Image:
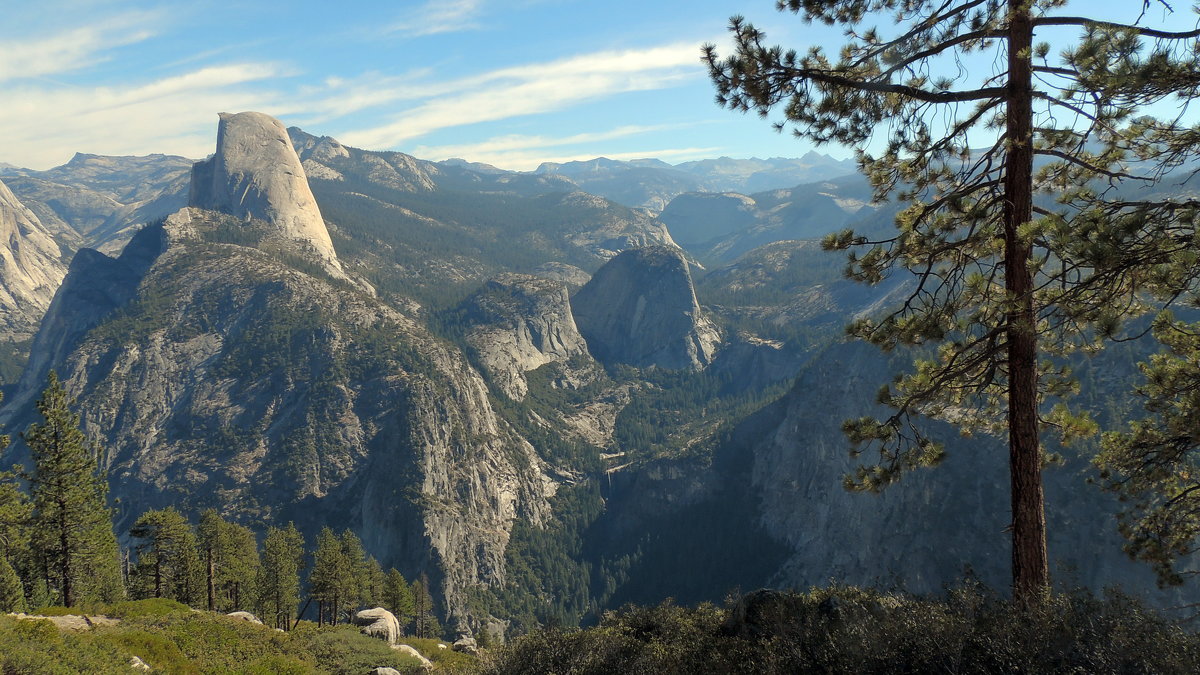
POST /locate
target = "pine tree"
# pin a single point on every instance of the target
(1155, 464)
(168, 560)
(326, 580)
(397, 597)
(12, 592)
(229, 556)
(1001, 288)
(15, 512)
(72, 535)
(355, 584)
(425, 623)
(279, 575)
(373, 581)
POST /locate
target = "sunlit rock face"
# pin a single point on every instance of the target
(256, 174)
(640, 309)
(31, 268)
(518, 323)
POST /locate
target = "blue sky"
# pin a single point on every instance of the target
(508, 82)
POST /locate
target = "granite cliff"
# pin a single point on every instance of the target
(256, 174)
(518, 323)
(31, 268)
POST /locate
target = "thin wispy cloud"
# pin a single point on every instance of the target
(524, 142)
(73, 48)
(439, 16)
(176, 114)
(536, 88)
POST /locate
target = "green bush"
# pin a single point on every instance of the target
(343, 650)
(851, 630)
(132, 609)
(156, 650)
(37, 646)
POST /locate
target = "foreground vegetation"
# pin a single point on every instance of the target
(170, 637)
(852, 630)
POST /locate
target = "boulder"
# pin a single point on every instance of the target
(411, 651)
(138, 664)
(385, 671)
(466, 645)
(245, 616)
(379, 623)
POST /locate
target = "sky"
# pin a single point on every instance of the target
(507, 82)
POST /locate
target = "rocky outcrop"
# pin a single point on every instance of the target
(217, 374)
(412, 651)
(378, 623)
(256, 174)
(640, 309)
(518, 323)
(31, 268)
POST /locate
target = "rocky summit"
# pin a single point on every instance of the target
(640, 309)
(256, 173)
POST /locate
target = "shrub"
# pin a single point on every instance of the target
(852, 630)
(150, 607)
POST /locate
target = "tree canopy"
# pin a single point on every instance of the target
(1025, 223)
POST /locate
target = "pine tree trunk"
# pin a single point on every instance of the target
(64, 551)
(212, 591)
(1029, 558)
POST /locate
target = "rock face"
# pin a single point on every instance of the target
(255, 173)
(640, 309)
(378, 623)
(31, 268)
(798, 463)
(519, 323)
(217, 374)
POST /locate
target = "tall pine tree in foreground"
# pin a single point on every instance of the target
(279, 575)
(168, 559)
(948, 106)
(72, 535)
(229, 555)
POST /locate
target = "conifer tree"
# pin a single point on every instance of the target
(425, 623)
(1001, 288)
(72, 535)
(279, 575)
(1155, 464)
(327, 578)
(168, 564)
(12, 592)
(397, 597)
(372, 585)
(229, 555)
(15, 512)
(355, 586)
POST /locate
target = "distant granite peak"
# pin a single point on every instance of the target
(256, 173)
(640, 309)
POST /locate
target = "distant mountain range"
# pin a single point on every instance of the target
(652, 183)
